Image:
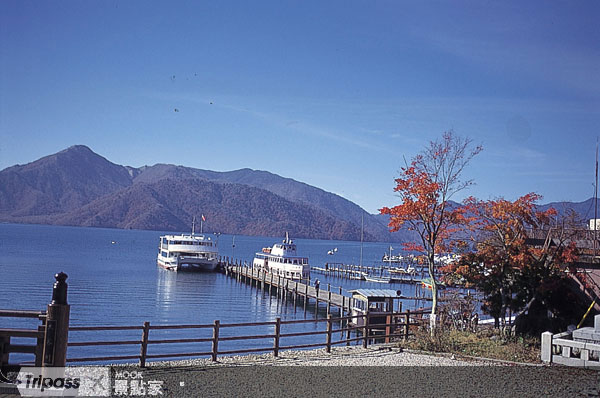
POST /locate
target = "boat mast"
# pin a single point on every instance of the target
(362, 227)
(596, 206)
(193, 225)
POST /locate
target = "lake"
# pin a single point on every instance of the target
(114, 280)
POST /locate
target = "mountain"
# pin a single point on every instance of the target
(235, 208)
(583, 210)
(79, 187)
(58, 183)
(287, 188)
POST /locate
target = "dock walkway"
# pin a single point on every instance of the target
(288, 287)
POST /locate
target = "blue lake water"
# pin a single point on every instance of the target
(120, 284)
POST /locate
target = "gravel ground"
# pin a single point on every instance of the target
(340, 356)
(378, 371)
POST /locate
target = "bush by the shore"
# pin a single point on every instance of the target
(485, 343)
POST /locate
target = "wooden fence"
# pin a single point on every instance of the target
(50, 348)
(398, 326)
(7, 347)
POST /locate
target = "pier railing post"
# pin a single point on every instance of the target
(329, 328)
(305, 296)
(57, 324)
(215, 340)
(366, 330)
(276, 338)
(406, 324)
(144, 348)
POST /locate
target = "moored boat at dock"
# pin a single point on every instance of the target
(282, 260)
(187, 252)
(378, 279)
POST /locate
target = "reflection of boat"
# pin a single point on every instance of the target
(189, 252)
(281, 259)
(377, 279)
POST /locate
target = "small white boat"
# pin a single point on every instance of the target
(282, 260)
(403, 271)
(377, 279)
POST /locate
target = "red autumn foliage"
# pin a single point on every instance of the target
(508, 269)
(425, 188)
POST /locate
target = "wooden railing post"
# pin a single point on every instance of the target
(39, 346)
(215, 340)
(4, 355)
(144, 348)
(57, 324)
(276, 338)
(329, 328)
(366, 330)
(406, 324)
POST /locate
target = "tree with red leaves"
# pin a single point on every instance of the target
(425, 187)
(507, 265)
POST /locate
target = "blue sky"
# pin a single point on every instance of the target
(332, 93)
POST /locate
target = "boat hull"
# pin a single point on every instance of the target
(192, 265)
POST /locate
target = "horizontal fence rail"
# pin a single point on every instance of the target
(7, 346)
(398, 326)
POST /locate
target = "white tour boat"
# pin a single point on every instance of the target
(187, 252)
(282, 260)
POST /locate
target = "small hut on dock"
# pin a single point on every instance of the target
(377, 303)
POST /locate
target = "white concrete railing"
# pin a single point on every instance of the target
(560, 348)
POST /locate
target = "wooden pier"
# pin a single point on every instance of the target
(293, 289)
(343, 270)
(303, 290)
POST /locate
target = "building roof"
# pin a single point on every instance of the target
(369, 293)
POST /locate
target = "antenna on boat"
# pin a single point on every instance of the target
(362, 227)
(287, 238)
(596, 206)
(193, 225)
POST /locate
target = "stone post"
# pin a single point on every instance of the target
(546, 349)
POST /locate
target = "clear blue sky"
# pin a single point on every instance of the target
(331, 93)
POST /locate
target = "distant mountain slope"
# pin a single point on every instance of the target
(59, 183)
(78, 187)
(231, 208)
(287, 188)
(584, 210)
